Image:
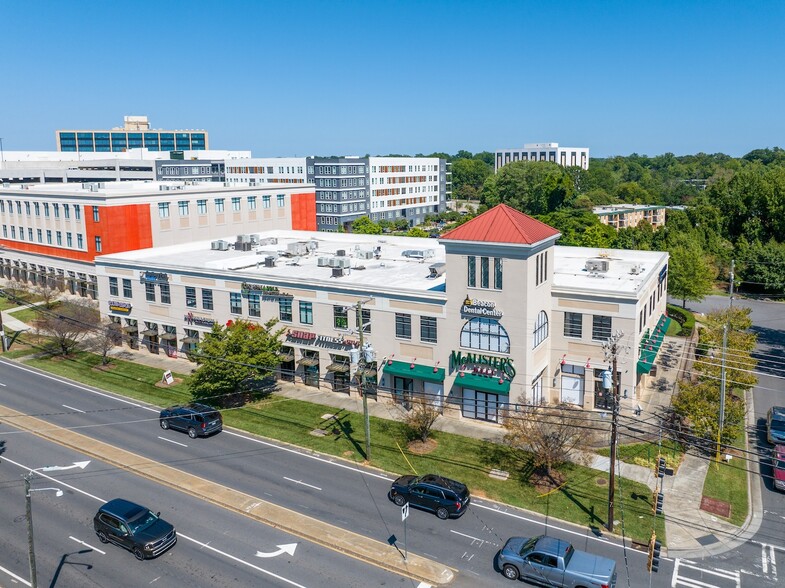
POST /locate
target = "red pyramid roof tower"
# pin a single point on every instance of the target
(502, 224)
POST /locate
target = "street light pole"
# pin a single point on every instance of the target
(29, 517)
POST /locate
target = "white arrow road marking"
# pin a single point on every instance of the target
(303, 483)
(87, 545)
(72, 408)
(77, 464)
(170, 441)
(286, 548)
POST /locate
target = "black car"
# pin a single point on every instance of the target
(134, 527)
(198, 420)
(440, 495)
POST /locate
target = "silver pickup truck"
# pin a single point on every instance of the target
(552, 562)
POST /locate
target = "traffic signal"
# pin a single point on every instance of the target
(654, 553)
(661, 467)
(658, 507)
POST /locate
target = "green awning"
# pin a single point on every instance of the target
(484, 383)
(413, 370)
(650, 345)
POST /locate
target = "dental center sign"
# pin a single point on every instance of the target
(475, 307)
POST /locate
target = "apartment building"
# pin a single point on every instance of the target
(491, 314)
(564, 156)
(620, 216)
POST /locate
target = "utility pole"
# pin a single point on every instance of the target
(732, 267)
(722, 391)
(29, 517)
(611, 348)
(361, 367)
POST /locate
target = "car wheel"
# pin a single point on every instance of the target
(138, 554)
(192, 433)
(442, 513)
(102, 537)
(399, 500)
(164, 424)
(510, 572)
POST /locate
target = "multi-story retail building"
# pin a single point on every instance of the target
(493, 313)
(564, 156)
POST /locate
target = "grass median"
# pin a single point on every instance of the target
(582, 499)
(728, 482)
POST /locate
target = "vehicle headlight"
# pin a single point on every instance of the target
(148, 545)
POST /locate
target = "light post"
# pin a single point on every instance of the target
(29, 516)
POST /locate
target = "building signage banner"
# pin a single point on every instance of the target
(195, 319)
(459, 360)
(475, 307)
(153, 277)
(246, 288)
(119, 307)
(304, 335)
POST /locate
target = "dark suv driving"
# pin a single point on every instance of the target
(440, 495)
(198, 420)
(134, 527)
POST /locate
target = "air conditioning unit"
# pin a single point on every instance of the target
(221, 245)
(313, 245)
(243, 246)
(636, 269)
(365, 255)
(243, 238)
(334, 262)
(323, 262)
(269, 261)
(341, 253)
(268, 241)
(297, 248)
(255, 238)
(597, 265)
(344, 262)
(337, 272)
(437, 269)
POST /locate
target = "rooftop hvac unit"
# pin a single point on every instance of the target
(344, 262)
(323, 262)
(636, 269)
(243, 238)
(437, 269)
(269, 261)
(365, 255)
(220, 245)
(597, 264)
(268, 241)
(243, 246)
(313, 245)
(334, 262)
(297, 248)
(255, 238)
(337, 272)
(341, 253)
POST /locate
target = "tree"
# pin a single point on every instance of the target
(533, 187)
(416, 232)
(698, 406)
(547, 433)
(232, 359)
(421, 417)
(47, 293)
(690, 275)
(109, 336)
(468, 176)
(365, 226)
(70, 324)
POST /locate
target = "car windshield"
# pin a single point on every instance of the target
(141, 521)
(778, 425)
(529, 545)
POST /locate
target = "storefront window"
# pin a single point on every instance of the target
(481, 405)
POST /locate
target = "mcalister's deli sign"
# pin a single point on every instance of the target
(503, 364)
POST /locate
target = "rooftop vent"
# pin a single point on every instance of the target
(338, 272)
(323, 262)
(341, 253)
(297, 248)
(220, 245)
(437, 269)
(597, 264)
(419, 253)
(269, 261)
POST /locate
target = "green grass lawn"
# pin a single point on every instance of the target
(21, 300)
(582, 499)
(728, 482)
(30, 314)
(646, 454)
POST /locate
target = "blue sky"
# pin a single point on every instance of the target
(346, 77)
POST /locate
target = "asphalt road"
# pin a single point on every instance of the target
(331, 490)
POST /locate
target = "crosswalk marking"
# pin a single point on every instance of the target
(724, 578)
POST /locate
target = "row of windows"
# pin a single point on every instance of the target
(402, 168)
(260, 169)
(183, 206)
(351, 207)
(485, 272)
(541, 269)
(601, 328)
(344, 182)
(333, 169)
(39, 236)
(35, 208)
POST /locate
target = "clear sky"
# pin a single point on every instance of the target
(354, 77)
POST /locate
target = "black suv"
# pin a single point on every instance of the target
(441, 495)
(198, 420)
(134, 527)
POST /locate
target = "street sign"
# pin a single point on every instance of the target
(404, 511)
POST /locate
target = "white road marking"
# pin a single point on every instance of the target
(423, 585)
(465, 535)
(3, 385)
(679, 580)
(170, 441)
(15, 577)
(72, 408)
(303, 483)
(86, 545)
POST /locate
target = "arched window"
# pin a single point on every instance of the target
(540, 328)
(485, 334)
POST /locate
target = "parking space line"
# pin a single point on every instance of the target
(170, 441)
(86, 545)
(72, 408)
(15, 577)
(302, 483)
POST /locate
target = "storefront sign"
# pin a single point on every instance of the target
(119, 307)
(195, 319)
(154, 277)
(460, 360)
(303, 335)
(324, 340)
(475, 307)
(246, 288)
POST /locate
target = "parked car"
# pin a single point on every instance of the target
(437, 494)
(134, 527)
(198, 420)
(778, 466)
(775, 425)
(554, 562)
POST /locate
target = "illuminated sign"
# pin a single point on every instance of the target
(195, 319)
(475, 307)
(481, 364)
(119, 307)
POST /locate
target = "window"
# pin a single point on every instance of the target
(484, 272)
(59, 235)
(219, 204)
(252, 203)
(96, 215)
(27, 208)
(77, 211)
(485, 334)
(601, 328)
(69, 240)
(98, 244)
(190, 297)
(541, 268)
(127, 293)
(236, 204)
(497, 273)
(428, 329)
(306, 313)
(472, 270)
(537, 397)
(46, 208)
(182, 206)
(541, 328)
(281, 201)
(573, 324)
(40, 235)
(364, 323)
(113, 289)
(66, 210)
(166, 294)
(265, 202)
(30, 236)
(201, 206)
(403, 325)
(235, 303)
(79, 240)
(149, 292)
(340, 317)
(285, 309)
(36, 206)
(48, 236)
(254, 304)
(55, 208)
(163, 210)
(207, 299)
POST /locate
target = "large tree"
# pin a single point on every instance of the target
(690, 274)
(231, 358)
(70, 324)
(534, 187)
(365, 226)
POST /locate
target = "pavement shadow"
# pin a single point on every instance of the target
(64, 561)
(764, 451)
